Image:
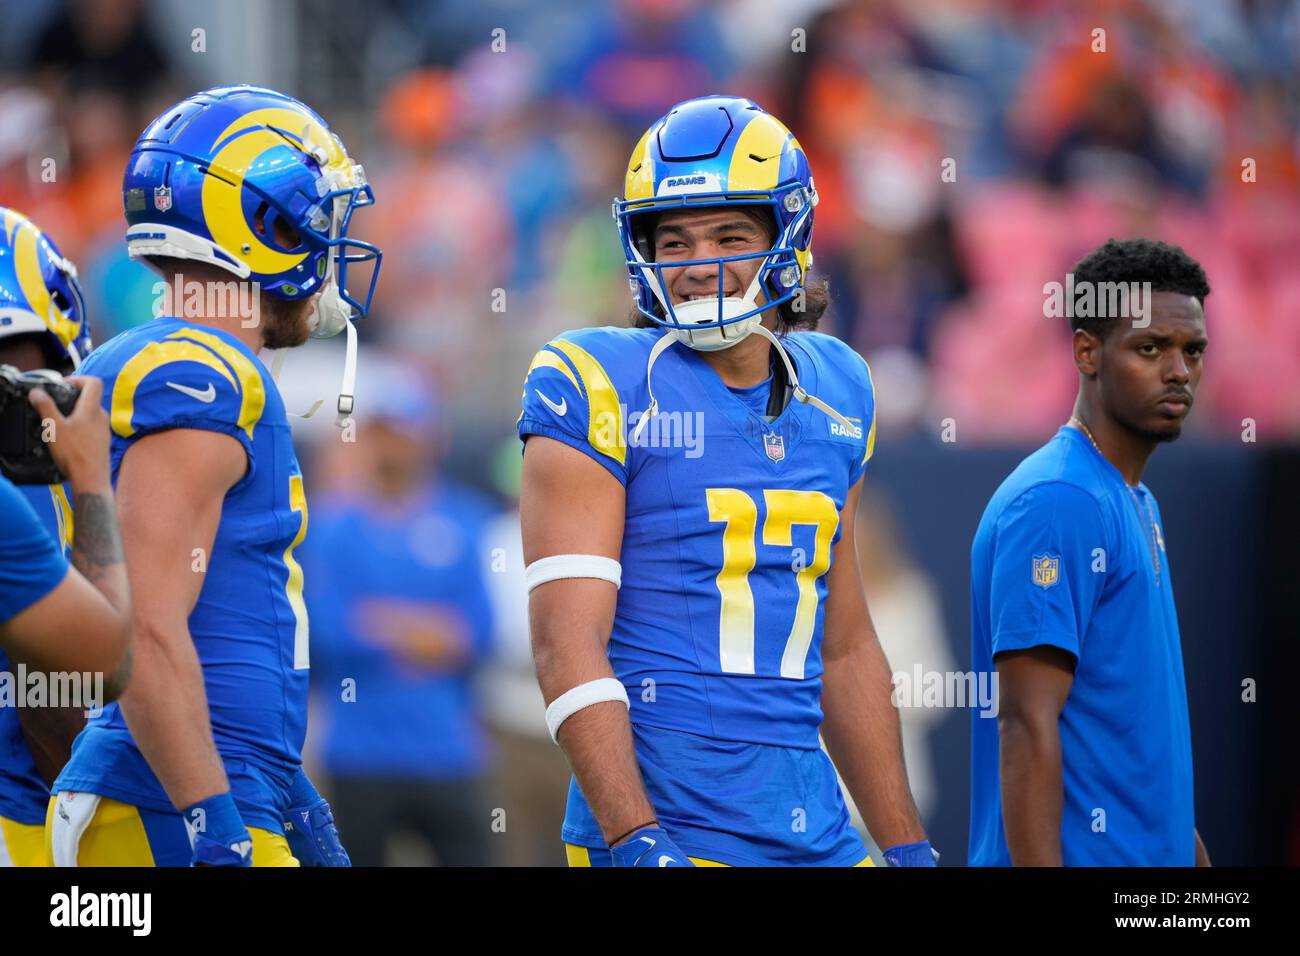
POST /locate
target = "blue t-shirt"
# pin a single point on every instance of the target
(1067, 555)
(396, 718)
(31, 566)
(31, 562)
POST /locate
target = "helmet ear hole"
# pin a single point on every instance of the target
(285, 235)
(282, 235)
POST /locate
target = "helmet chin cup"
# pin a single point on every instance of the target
(330, 315)
(718, 337)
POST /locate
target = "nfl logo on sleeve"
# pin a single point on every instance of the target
(775, 446)
(1047, 569)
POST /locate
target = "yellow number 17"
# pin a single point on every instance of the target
(739, 514)
(298, 503)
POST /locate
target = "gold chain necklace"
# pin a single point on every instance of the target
(1153, 531)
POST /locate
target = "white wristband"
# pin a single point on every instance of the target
(584, 695)
(573, 566)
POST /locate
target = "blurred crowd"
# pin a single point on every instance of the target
(966, 153)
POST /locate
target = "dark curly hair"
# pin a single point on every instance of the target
(1168, 269)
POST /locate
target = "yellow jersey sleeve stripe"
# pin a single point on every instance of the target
(63, 511)
(548, 359)
(605, 430)
(149, 359)
(871, 432)
(250, 380)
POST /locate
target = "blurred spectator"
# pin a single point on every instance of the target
(636, 58)
(534, 772)
(907, 615)
(400, 618)
(442, 223)
(102, 44)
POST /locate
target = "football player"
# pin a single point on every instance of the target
(42, 326)
(200, 762)
(688, 497)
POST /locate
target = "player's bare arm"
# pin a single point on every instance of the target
(49, 733)
(170, 490)
(571, 505)
(84, 624)
(1202, 854)
(861, 727)
(1033, 685)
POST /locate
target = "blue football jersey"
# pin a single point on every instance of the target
(249, 624)
(731, 522)
(23, 794)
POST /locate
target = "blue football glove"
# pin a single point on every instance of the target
(218, 836)
(912, 854)
(309, 827)
(649, 847)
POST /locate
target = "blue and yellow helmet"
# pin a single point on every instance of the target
(717, 151)
(213, 177)
(39, 292)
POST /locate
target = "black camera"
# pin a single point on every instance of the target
(24, 456)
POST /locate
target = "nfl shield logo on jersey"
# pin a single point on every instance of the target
(162, 198)
(775, 446)
(1047, 569)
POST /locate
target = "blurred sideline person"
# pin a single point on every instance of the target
(402, 619)
(51, 617)
(1072, 600)
(697, 611)
(532, 773)
(200, 762)
(908, 618)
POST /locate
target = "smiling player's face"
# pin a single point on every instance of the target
(1148, 376)
(684, 235)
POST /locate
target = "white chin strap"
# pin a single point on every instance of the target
(800, 394)
(348, 387)
(330, 316)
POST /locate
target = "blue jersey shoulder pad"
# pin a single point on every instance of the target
(170, 374)
(841, 378)
(581, 387)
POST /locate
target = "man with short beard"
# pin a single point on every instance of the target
(1089, 762)
(232, 190)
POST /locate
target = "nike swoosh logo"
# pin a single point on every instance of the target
(207, 397)
(559, 409)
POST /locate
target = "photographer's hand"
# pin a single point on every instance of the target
(98, 600)
(78, 443)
